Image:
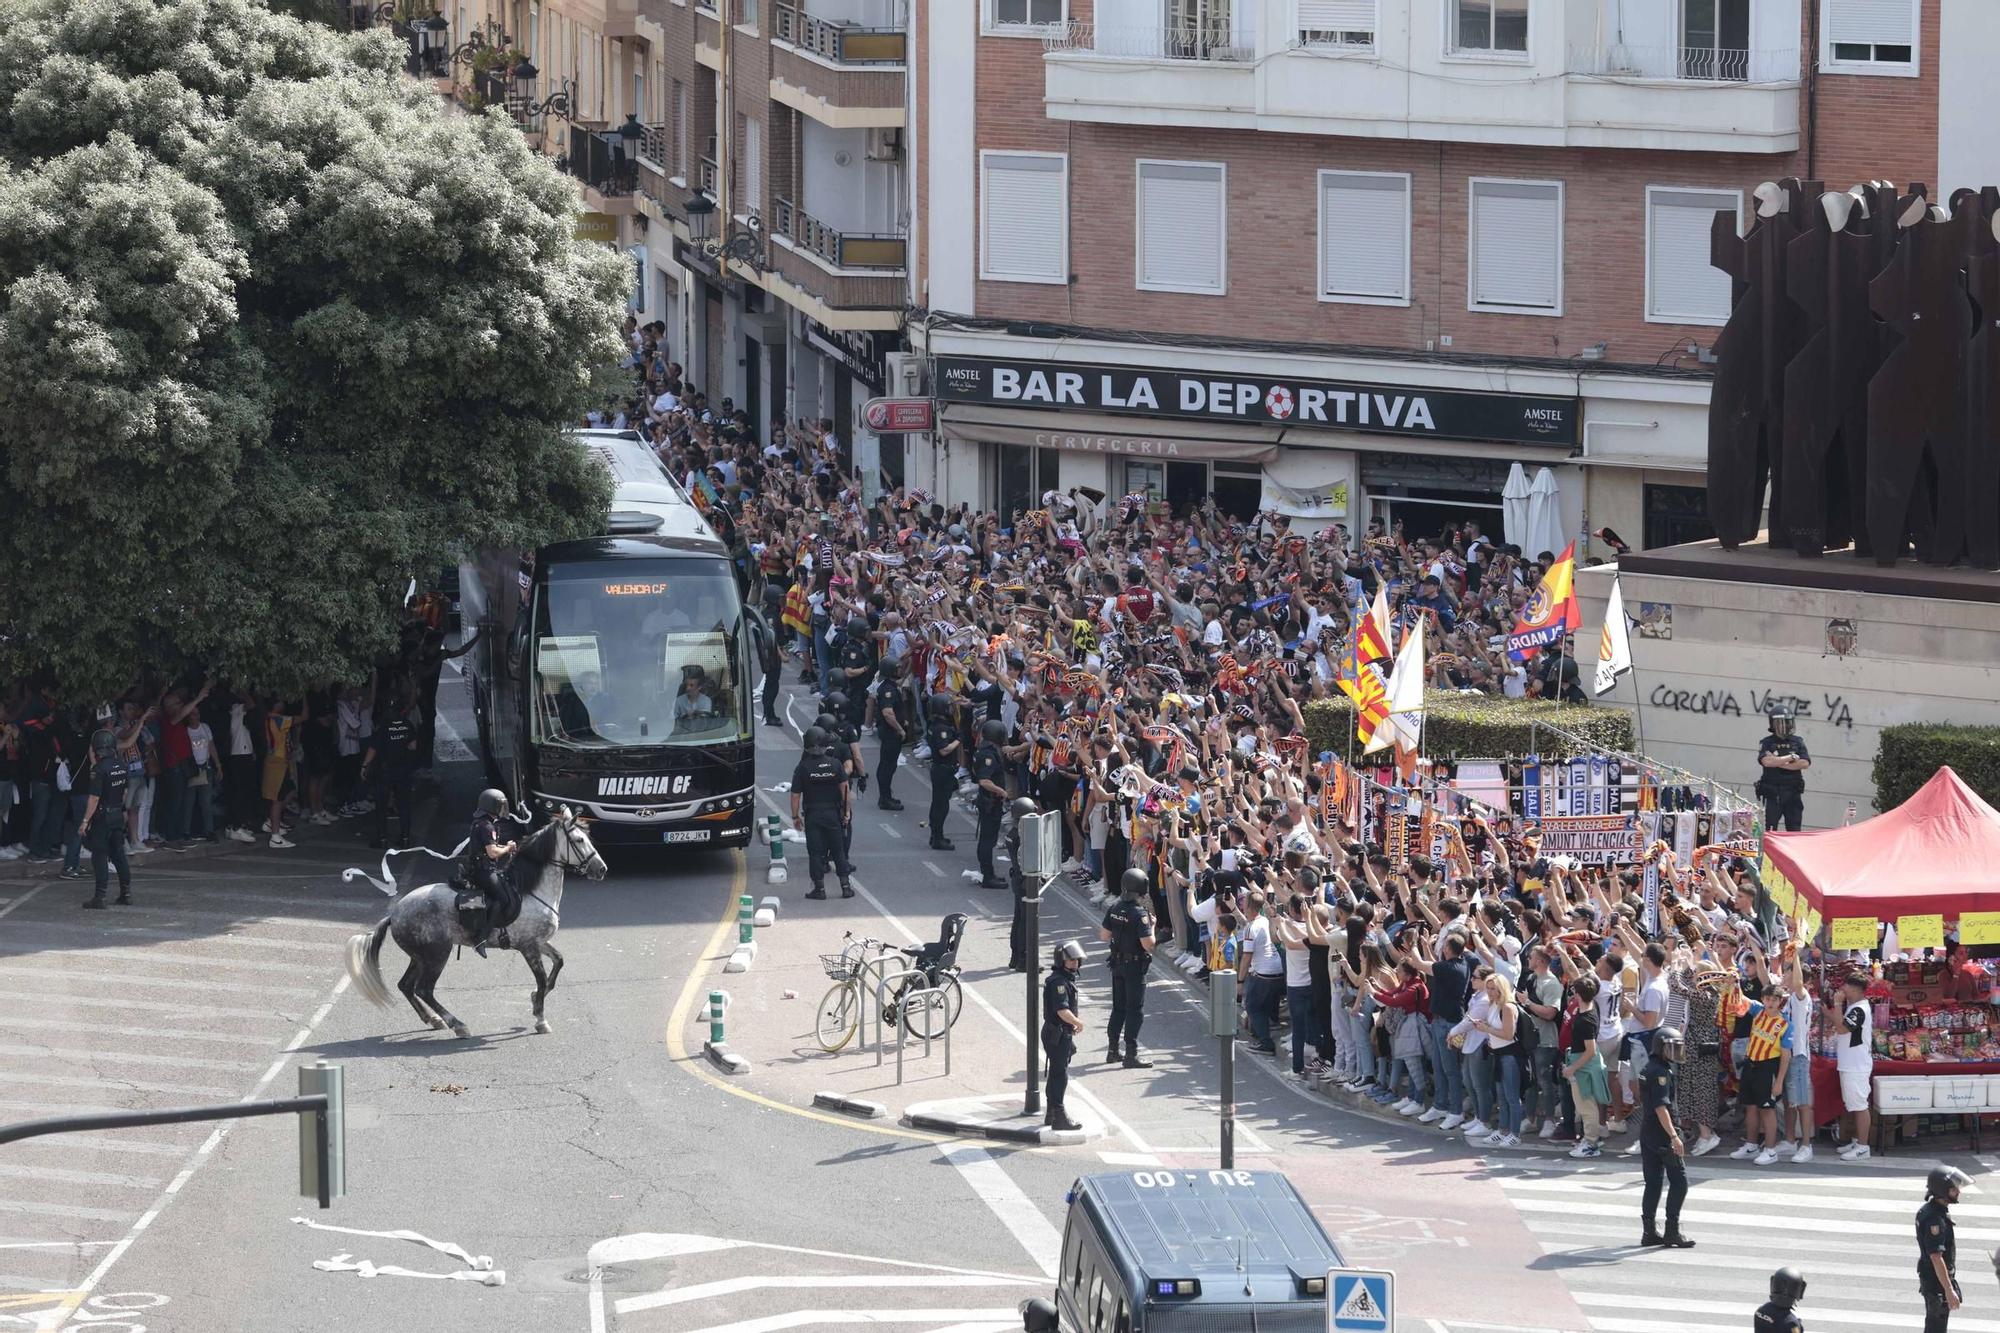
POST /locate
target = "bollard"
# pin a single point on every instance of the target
(776, 872)
(746, 915)
(715, 1018)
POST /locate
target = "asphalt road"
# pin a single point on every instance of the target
(619, 1186)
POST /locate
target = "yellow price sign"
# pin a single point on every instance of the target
(1979, 928)
(1920, 932)
(1855, 932)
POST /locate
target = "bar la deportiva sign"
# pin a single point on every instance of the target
(1376, 409)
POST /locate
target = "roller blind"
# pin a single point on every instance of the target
(1364, 236)
(1336, 15)
(1872, 22)
(1180, 226)
(1024, 227)
(1516, 245)
(1680, 282)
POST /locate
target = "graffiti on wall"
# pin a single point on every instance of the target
(1726, 702)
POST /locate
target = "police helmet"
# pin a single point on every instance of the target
(827, 721)
(837, 700)
(1024, 806)
(492, 801)
(818, 738)
(1783, 721)
(942, 704)
(1134, 882)
(1667, 1043)
(103, 744)
(993, 731)
(1068, 951)
(1788, 1286)
(1943, 1179)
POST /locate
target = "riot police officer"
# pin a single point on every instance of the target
(989, 771)
(856, 660)
(942, 737)
(103, 826)
(1128, 927)
(1788, 1288)
(890, 732)
(820, 805)
(489, 859)
(1937, 1246)
(1018, 944)
(1782, 760)
(1660, 1145)
(846, 745)
(1059, 1028)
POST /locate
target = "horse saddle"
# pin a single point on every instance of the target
(475, 913)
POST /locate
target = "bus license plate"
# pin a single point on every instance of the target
(687, 835)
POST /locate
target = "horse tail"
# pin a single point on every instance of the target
(364, 964)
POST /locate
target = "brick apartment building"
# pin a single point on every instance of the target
(1358, 257)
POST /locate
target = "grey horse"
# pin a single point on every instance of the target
(426, 925)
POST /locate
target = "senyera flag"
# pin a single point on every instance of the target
(1551, 613)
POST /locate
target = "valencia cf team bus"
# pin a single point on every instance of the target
(614, 673)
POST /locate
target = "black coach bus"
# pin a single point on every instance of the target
(615, 672)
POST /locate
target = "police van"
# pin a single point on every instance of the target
(1179, 1251)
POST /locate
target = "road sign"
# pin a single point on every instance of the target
(1360, 1300)
(894, 416)
(1041, 844)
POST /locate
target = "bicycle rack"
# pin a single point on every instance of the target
(932, 998)
(881, 1002)
(876, 968)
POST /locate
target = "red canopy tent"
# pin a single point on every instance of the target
(1938, 852)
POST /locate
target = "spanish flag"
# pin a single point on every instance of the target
(1551, 613)
(798, 609)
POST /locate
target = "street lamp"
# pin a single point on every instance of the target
(700, 219)
(743, 244)
(431, 40)
(624, 145)
(362, 13)
(521, 93)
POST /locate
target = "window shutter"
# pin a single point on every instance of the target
(753, 166)
(1364, 236)
(1180, 226)
(1871, 22)
(1336, 15)
(1517, 239)
(1680, 282)
(1026, 225)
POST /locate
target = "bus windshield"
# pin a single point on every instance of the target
(641, 652)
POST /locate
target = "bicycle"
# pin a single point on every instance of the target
(933, 975)
(840, 1008)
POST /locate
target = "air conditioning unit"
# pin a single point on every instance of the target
(905, 374)
(885, 145)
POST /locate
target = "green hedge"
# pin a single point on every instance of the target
(1909, 754)
(1484, 726)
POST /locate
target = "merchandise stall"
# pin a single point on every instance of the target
(1897, 884)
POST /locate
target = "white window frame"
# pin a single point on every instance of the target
(1447, 19)
(1139, 228)
(1319, 238)
(1369, 48)
(1647, 296)
(1887, 69)
(989, 26)
(985, 274)
(1472, 248)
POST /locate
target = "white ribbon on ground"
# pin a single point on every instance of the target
(479, 1266)
(344, 1263)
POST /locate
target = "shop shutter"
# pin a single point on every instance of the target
(1517, 245)
(1181, 224)
(1364, 236)
(1025, 227)
(1680, 282)
(1871, 22)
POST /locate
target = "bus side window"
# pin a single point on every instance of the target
(1073, 1260)
(1123, 1324)
(1097, 1304)
(1102, 1320)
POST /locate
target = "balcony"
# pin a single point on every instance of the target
(1719, 98)
(841, 75)
(841, 271)
(1136, 74)
(609, 178)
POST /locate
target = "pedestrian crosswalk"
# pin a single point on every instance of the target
(1848, 1229)
(194, 995)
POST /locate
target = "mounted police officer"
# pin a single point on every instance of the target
(489, 865)
(1937, 1246)
(989, 771)
(820, 806)
(1059, 1027)
(1788, 1288)
(1660, 1145)
(1128, 927)
(103, 825)
(942, 737)
(890, 732)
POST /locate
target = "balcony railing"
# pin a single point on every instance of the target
(657, 148)
(1687, 64)
(840, 249)
(841, 43)
(708, 175)
(1167, 42)
(598, 165)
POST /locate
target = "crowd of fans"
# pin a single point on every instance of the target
(1151, 668)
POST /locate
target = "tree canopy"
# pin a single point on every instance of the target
(278, 330)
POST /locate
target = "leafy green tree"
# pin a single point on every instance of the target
(278, 328)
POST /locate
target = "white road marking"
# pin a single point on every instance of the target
(72, 970)
(1129, 1159)
(980, 1318)
(1821, 1314)
(24, 899)
(1008, 1202)
(932, 866)
(68, 1210)
(97, 1143)
(65, 1176)
(703, 1291)
(890, 830)
(180, 937)
(11, 1021)
(78, 963)
(121, 1084)
(448, 747)
(117, 1058)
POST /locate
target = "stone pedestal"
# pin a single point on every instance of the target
(1725, 635)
